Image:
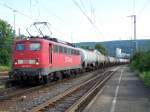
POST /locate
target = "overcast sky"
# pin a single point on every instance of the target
(103, 20)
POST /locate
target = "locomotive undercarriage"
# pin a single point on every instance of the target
(41, 75)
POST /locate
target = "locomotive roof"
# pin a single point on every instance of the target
(51, 40)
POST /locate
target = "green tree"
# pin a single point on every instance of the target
(85, 47)
(6, 40)
(101, 49)
(141, 61)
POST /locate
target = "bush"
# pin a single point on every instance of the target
(4, 57)
(145, 76)
(141, 61)
(4, 68)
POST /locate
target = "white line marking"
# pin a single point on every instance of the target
(116, 93)
(120, 76)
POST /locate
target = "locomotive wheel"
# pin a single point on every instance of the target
(45, 79)
(73, 73)
(66, 73)
(59, 75)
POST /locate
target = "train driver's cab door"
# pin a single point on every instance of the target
(50, 53)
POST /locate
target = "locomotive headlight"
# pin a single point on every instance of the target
(15, 63)
(37, 63)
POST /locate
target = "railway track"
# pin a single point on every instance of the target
(3, 81)
(17, 90)
(75, 98)
(11, 98)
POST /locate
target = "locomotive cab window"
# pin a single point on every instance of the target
(35, 46)
(20, 47)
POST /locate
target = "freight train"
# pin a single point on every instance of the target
(43, 58)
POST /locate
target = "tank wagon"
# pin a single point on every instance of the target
(102, 60)
(123, 61)
(89, 59)
(112, 61)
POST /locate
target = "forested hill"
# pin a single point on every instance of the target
(126, 45)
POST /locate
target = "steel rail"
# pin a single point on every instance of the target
(83, 101)
(52, 102)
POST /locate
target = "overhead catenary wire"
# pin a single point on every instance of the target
(83, 6)
(56, 17)
(51, 13)
(140, 12)
(15, 10)
(88, 18)
(92, 11)
(36, 2)
(143, 7)
(20, 12)
(14, 15)
(38, 9)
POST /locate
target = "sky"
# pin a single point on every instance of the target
(81, 20)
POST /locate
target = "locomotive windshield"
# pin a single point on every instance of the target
(20, 47)
(35, 46)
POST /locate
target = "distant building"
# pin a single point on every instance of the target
(120, 54)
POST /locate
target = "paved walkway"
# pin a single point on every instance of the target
(124, 92)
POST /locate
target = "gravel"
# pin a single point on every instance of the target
(39, 96)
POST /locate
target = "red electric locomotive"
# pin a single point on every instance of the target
(39, 58)
(43, 58)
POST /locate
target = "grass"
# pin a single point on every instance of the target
(4, 68)
(145, 76)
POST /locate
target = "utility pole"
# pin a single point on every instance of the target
(14, 14)
(19, 33)
(134, 30)
(14, 11)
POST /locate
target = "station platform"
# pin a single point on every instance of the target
(124, 92)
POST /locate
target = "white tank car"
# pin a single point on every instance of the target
(123, 61)
(115, 60)
(88, 58)
(111, 60)
(101, 57)
(106, 60)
